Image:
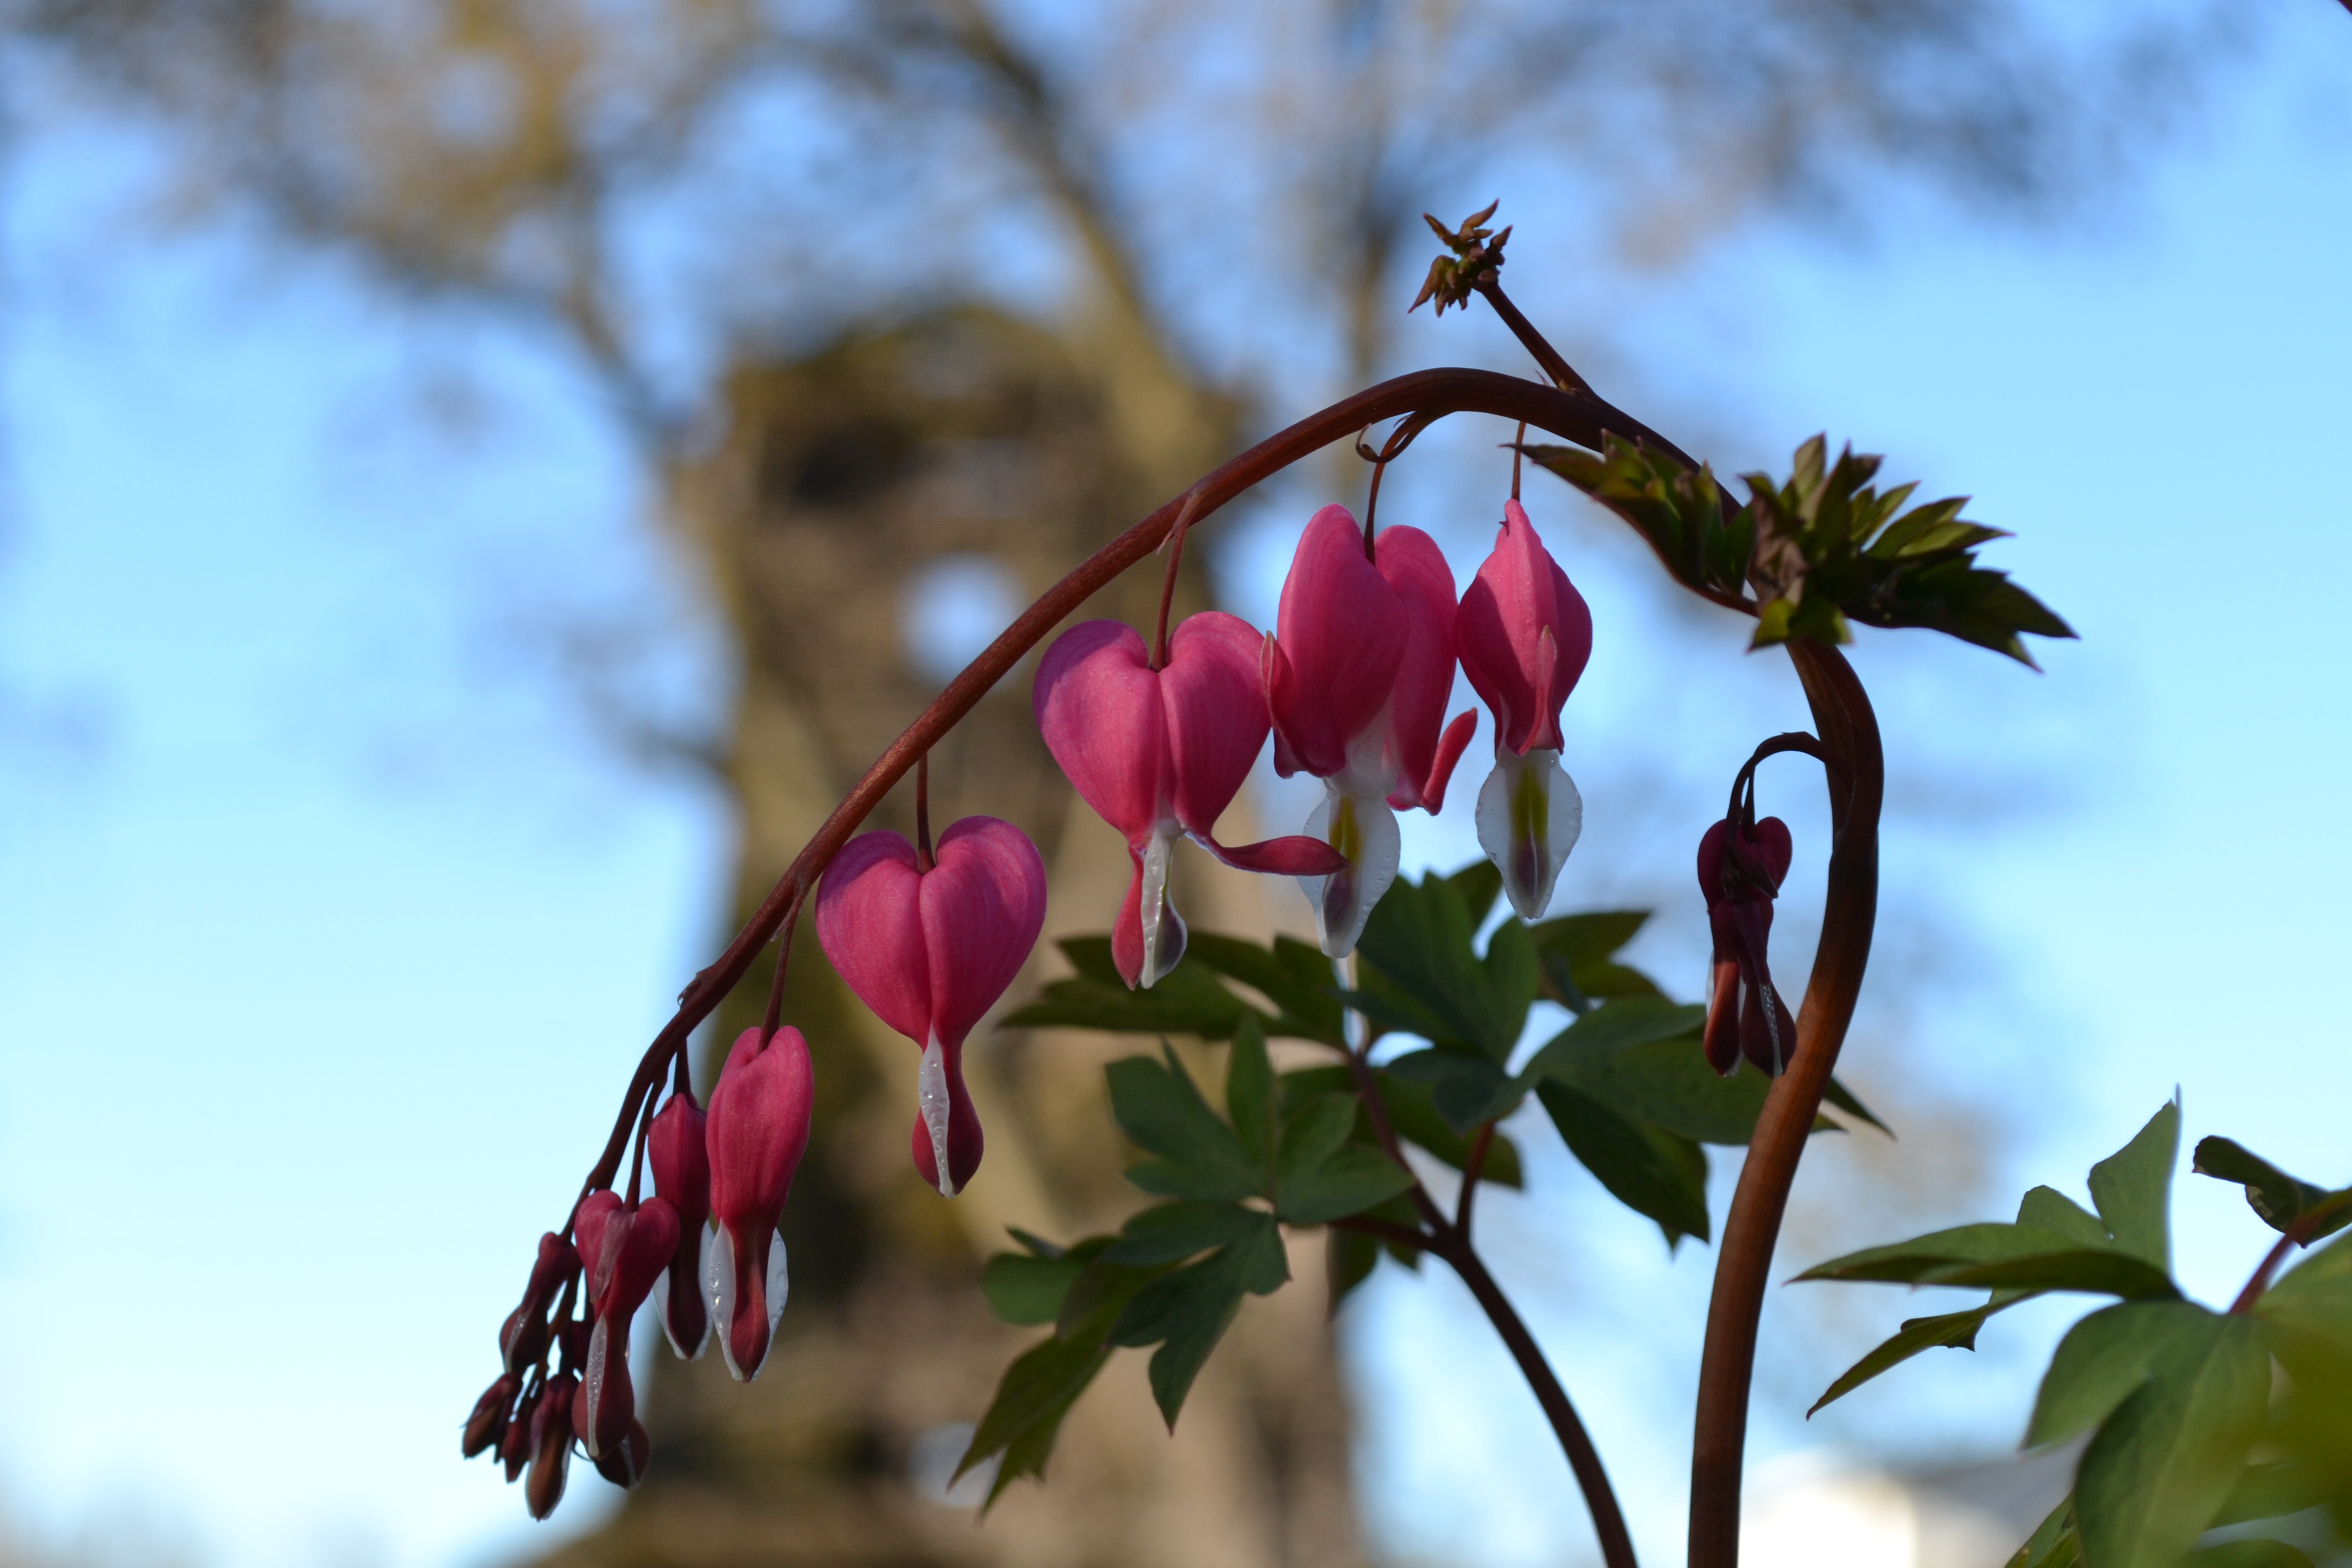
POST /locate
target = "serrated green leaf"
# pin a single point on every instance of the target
(1651, 1172)
(2133, 1189)
(1171, 1233)
(2280, 1199)
(2105, 1359)
(1417, 944)
(2053, 1544)
(1025, 1291)
(2163, 1465)
(1956, 1330)
(1159, 1107)
(1249, 1096)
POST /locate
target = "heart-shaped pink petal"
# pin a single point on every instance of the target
(869, 923)
(1341, 636)
(1414, 567)
(1214, 703)
(982, 906)
(1097, 706)
(1520, 593)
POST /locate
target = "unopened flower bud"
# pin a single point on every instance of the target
(679, 1148)
(551, 1445)
(757, 1131)
(487, 1423)
(522, 1339)
(514, 1449)
(638, 1245)
(1745, 1014)
(625, 1462)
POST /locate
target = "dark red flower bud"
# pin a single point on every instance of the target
(637, 1246)
(514, 1449)
(1740, 877)
(524, 1337)
(487, 1423)
(625, 1462)
(679, 1148)
(551, 1445)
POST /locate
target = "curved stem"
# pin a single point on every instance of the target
(1849, 731)
(1584, 1458)
(1426, 395)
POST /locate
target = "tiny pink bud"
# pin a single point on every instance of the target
(757, 1132)
(625, 1462)
(551, 1446)
(679, 1148)
(523, 1336)
(487, 1423)
(514, 1448)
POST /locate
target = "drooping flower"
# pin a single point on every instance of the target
(930, 951)
(1160, 754)
(1524, 635)
(487, 1424)
(677, 1147)
(757, 1131)
(1356, 675)
(523, 1336)
(624, 1249)
(1740, 878)
(551, 1445)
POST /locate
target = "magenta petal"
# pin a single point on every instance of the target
(1213, 697)
(1414, 567)
(1450, 747)
(1097, 706)
(1519, 594)
(758, 1128)
(1297, 855)
(867, 921)
(595, 1212)
(982, 906)
(1343, 635)
(1127, 931)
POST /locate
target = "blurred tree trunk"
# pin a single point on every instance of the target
(964, 432)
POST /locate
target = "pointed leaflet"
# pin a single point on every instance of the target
(1187, 1312)
(1418, 939)
(2021, 1257)
(2107, 1357)
(1249, 1095)
(1956, 1330)
(1651, 1172)
(1159, 1107)
(2133, 1189)
(2055, 1544)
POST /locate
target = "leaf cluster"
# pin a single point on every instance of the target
(2186, 1432)
(1822, 549)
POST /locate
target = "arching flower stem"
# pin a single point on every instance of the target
(924, 858)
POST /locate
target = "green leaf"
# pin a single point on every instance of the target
(2133, 1189)
(1038, 1389)
(2105, 1359)
(1171, 1233)
(1477, 885)
(2248, 1554)
(1162, 1111)
(2164, 1464)
(1320, 1176)
(1188, 1000)
(1640, 1057)
(1957, 1331)
(1292, 975)
(2280, 1199)
(1187, 1312)
(1418, 943)
(1249, 1096)
(2312, 1302)
(1999, 1256)
(1024, 1292)
(2273, 1490)
(1465, 1089)
(2055, 1544)
(1414, 1117)
(1350, 1258)
(2046, 1208)
(1651, 1172)
(1837, 1094)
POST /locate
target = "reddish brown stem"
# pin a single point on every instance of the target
(923, 860)
(1471, 1169)
(2298, 1234)
(1849, 733)
(1427, 396)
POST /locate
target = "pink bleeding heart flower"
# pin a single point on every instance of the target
(930, 950)
(1524, 635)
(1356, 676)
(677, 1147)
(1160, 754)
(1740, 878)
(631, 1246)
(487, 1426)
(757, 1131)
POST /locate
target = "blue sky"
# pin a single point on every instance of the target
(324, 952)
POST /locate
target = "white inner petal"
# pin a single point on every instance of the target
(1365, 831)
(931, 1094)
(591, 1388)
(1163, 929)
(718, 1292)
(1529, 818)
(780, 1282)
